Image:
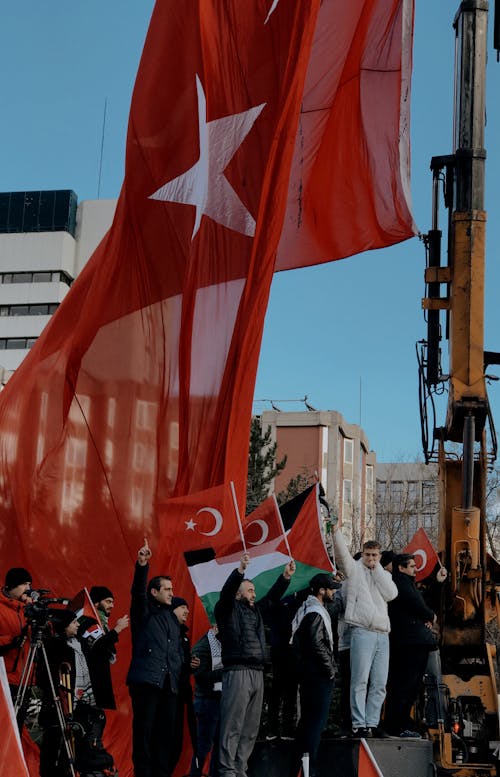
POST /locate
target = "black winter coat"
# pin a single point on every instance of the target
(157, 654)
(205, 676)
(99, 656)
(241, 626)
(409, 614)
(313, 651)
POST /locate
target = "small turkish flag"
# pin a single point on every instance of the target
(426, 557)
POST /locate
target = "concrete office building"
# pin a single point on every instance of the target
(46, 237)
(322, 443)
(407, 498)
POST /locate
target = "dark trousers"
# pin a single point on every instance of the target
(345, 688)
(154, 710)
(315, 697)
(406, 668)
(283, 693)
(207, 711)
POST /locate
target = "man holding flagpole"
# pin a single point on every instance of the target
(241, 629)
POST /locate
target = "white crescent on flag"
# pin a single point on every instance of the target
(422, 555)
(218, 520)
(265, 531)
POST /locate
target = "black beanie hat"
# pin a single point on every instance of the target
(178, 601)
(387, 557)
(16, 576)
(62, 619)
(99, 592)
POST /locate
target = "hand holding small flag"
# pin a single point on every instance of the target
(244, 562)
(289, 570)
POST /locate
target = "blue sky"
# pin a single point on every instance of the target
(343, 333)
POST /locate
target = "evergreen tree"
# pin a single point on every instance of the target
(295, 486)
(262, 464)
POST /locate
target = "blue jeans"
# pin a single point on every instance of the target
(369, 668)
(207, 711)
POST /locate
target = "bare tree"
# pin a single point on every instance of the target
(493, 511)
(407, 498)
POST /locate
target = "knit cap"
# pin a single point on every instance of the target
(16, 576)
(178, 601)
(100, 592)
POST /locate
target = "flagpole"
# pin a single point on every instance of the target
(282, 527)
(237, 511)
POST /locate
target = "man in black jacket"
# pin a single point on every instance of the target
(153, 677)
(411, 641)
(241, 631)
(102, 651)
(312, 638)
(207, 694)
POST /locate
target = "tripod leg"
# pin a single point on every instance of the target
(65, 735)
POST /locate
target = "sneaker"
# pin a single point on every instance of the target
(271, 737)
(409, 734)
(361, 733)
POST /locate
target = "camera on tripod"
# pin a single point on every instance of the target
(39, 612)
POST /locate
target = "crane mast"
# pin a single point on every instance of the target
(463, 735)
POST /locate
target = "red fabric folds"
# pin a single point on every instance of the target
(140, 389)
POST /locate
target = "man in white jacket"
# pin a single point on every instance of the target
(368, 589)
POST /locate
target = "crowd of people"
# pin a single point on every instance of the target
(369, 624)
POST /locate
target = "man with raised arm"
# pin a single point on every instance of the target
(240, 620)
(368, 589)
(153, 677)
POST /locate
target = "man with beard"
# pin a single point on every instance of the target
(241, 629)
(13, 630)
(103, 650)
(312, 638)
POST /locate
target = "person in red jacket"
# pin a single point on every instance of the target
(13, 637)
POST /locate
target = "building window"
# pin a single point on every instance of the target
(347, 492)
(14, 343)
(39, 309)
(428, 492)
(348, 451)
(369, 477)
(49, 276)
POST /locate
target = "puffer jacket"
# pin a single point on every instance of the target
(241, 626)
(157, 654)
(12, 625)
(367, 591)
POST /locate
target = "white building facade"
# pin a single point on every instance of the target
(46, 238)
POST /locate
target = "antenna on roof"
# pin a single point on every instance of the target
(102, 148)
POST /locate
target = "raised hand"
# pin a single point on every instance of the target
(144, 554)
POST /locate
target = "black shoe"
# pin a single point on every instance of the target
(379, 733)
(361, 733)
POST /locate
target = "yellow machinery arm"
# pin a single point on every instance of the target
(464, 733)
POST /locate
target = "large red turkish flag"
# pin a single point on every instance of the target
(140, 388)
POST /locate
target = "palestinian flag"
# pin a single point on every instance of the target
(209, 570)
(87, 615)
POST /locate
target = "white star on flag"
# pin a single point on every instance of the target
(204, 185)
(190, 525)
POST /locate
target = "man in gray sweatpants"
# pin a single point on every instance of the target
(241, 632)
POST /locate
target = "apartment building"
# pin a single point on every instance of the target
(322, 444)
